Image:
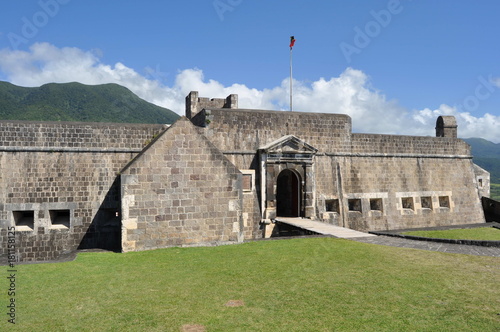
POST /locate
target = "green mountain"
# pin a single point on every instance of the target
(483, 148)
(79, 102)
(487, 155)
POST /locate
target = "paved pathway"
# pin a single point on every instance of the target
(323, 228)
(433, 246)
(346, 233)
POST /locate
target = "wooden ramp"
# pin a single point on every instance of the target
(322, 228)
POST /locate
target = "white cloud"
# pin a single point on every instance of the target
(350, 93)
(486, 127)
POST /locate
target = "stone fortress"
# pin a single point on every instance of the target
(220, 175)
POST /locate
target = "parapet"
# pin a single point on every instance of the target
(195, 104)
(45, 136)
(446, 126)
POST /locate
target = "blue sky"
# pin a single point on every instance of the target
(393, 66)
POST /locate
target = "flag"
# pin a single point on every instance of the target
(292, 41)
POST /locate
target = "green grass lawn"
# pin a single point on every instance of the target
(495, 191)
(481, 233)
(315, 284)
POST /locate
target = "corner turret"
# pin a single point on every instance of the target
(195, 104)
(446, 126)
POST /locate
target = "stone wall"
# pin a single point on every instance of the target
(361, 181)
(214, 179)
(248, 163)
(195, 104)
(248, 130)
(44, 183)
(180, 191)
(396, 193)
(483, 181)
(410, 146)
(74, 136)
(251, 215)
(58, 184)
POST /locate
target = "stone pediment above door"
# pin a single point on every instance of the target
(288, 147)
(290, 144)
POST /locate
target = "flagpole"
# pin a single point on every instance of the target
(292, 42)
(291, 80)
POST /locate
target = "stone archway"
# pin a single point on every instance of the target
(288, 180)
(288, 192)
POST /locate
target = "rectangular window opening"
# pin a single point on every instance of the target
(332, 205)
(354, 204)
(376, 204)
(444, 201)
(60, 218)
(407, 203)
(247, 182)
(24, 219)
(426, 202)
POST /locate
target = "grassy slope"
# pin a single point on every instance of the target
(79, 102)
(482, 233)
(318, 284)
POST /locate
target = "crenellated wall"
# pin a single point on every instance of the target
(195, 104)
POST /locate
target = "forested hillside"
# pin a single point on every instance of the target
(79, 102)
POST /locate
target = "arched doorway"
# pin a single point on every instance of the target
(288, 194)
